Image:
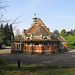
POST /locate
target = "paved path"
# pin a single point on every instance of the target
(67, 58)
(5, 51)
(69, 50)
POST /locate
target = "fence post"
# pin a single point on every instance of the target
(18, 60)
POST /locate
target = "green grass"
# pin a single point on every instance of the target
(55, 72)
(35, 69)
(12, 68)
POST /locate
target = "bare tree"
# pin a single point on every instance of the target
(17, 32)
(3, 6)
(14, 22)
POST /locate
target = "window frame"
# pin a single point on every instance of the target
(45, 43)
(18, 46)
(36, 44)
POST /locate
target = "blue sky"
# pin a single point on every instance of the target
(56, 14)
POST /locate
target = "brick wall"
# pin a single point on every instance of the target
(35, 48)
(13, 47)
(39, 49)
(65, 45)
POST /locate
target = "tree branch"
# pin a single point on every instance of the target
(16, 20)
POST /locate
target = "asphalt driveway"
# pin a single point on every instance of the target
(67, 58)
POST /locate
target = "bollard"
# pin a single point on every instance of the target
(18, 60)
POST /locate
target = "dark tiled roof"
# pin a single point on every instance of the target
(18, 38)
(35, 24)
(54, 39)
(57, 39)
(40, 30)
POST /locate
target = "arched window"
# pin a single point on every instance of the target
(61, 46)
(18, 46)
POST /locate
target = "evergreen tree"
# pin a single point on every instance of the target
(2, 26)
(6, 33)
(56, 32)
(73, 32)
(11, 32)
(11, 29)
(1, 34)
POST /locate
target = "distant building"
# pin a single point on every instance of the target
(37, 39)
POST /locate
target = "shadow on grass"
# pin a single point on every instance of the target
(12, 68)
(32, 67)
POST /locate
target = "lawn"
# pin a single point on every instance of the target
(55, 72)
(35, 69)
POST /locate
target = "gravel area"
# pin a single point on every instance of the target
(67, 58)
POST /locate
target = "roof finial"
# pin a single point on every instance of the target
(34, 14)
(34, 18)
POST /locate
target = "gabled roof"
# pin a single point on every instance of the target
(30, 28)
(39, 22)
(61, 38)
(40, 30)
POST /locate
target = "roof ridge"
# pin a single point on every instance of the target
(30, 28)
(63, 38)
(40, 20)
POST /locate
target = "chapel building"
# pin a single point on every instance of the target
(38, 39)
